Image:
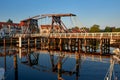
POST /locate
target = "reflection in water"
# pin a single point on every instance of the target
(57, 63)
(16, 67)
(58, 66)
(78, 62)
(4, 56)
(31, 58)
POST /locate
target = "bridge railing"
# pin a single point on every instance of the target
(31, 35)
(111, 35)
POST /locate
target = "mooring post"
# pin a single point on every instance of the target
(60, 46)
(20, 42)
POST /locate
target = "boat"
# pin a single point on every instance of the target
(116, 51)
(117, 54)
(2, 72)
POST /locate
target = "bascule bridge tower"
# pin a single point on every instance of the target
(57, 24)
(30, 25)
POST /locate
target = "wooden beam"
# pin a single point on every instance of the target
(58, 15)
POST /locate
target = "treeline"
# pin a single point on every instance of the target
(96, 28)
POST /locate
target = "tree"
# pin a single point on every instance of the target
(117, 29)
(9, 21)
(107, 29)
(110, 29)
(95, 28)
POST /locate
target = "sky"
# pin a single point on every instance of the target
(89, 12)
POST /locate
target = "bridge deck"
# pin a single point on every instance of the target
(108, 35)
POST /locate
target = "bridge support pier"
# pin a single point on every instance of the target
(43, 43)
(73, 45)
(90, 45)
(60, 44)
(70, 48)
(93, 45)
(80, 45)
(104, 46)
(52, 44)
(86, 45)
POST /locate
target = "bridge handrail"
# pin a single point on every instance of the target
(99, 35)
(84, 35)
(31, 35)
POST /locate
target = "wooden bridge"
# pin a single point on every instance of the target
(88, 42)
(62, 38)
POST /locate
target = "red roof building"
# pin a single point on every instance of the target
(2, 24)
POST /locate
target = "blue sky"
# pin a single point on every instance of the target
(89, 12)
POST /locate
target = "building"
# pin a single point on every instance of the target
(5, 24)
(48, 29)
(7, 29)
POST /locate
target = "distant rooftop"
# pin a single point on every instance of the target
(11, 24)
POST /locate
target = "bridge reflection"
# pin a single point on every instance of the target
(32, 60)
(57, 60)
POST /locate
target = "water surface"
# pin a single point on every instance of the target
(35, 64)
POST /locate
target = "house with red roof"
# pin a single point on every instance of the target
(9, 28)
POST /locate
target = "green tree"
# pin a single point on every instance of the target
(108, 29)
(9, 21)
(95, 28)
(116, 30)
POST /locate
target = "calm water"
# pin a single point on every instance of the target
(34, 64)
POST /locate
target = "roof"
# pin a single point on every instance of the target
(5, 23)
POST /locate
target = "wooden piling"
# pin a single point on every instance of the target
(20, 42)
